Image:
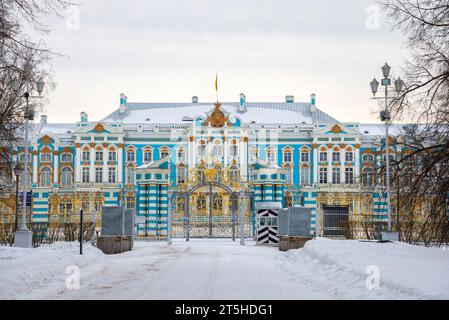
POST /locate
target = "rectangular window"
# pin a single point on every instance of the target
(98, 175)
(304, 157)
(130, 176)
(323, 156)
(130, 156)
(271, 157)
(98, 155)
(112, 175)
(86, 155)
(336, 156)
(234, 150)
(85, 175)
(287, 157)
(46, 157)
(66, 157)
(181, 156)
(336, 175)
(305, 176)
(112, 156)
(349, 156)
(349, 175)
(323, 175)
(147, 156)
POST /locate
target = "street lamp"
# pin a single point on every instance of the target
(23, 237)
(17, 172)
(385, 117)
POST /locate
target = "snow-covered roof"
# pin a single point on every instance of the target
(269, 113)
(378, 129)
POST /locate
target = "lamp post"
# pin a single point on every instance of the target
(17, 172)
(23, 237)
(385, 117)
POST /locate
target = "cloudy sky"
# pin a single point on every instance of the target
(170, 50)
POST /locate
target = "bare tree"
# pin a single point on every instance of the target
(16, 49)
(423, 165)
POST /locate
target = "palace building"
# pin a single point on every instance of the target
(207, 157)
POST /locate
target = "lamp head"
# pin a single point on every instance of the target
(386, 70)
(374, 86)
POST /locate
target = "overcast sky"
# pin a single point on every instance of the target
(168, 51)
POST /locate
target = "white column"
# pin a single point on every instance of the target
(35, 165)
(191, 152)
(357, 173)
(92, 165)
(243, 158)
(315, 163)
(120, 163)
(105, 165)
(225, 150)
(78, 164)
(56, 167)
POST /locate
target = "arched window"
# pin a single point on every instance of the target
(368, 157)
(288, 200)
(288, 174)
(349, 175)
(367, 177)
(181, 173)
(66, 177)
(336, 175)
(130, 200)
(130, 175)
(181, 155)
(217, 150)
(305, 175)
(200, 177)
(201, 148)
(233, 149)
(234, 174)
(46, 177)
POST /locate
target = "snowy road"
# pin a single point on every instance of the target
(324, 269)
(188, 271)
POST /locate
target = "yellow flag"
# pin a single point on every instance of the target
(216, 82)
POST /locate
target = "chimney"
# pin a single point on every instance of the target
(123, 102)
(289, 99)
(83, 117)
(194, 99)
(44, 119)
(242, 99)
(312, 102)
(313, 99)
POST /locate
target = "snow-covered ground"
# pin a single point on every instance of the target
(323, 269)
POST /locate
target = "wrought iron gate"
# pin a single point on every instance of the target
(333, 218)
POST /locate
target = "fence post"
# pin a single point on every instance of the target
(81, 232)
(169, 218)
(242, 219)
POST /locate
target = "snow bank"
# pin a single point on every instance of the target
(23, 272)
(406, 271)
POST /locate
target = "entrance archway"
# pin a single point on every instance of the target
(208, 210)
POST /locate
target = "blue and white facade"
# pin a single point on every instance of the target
(290, 153)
